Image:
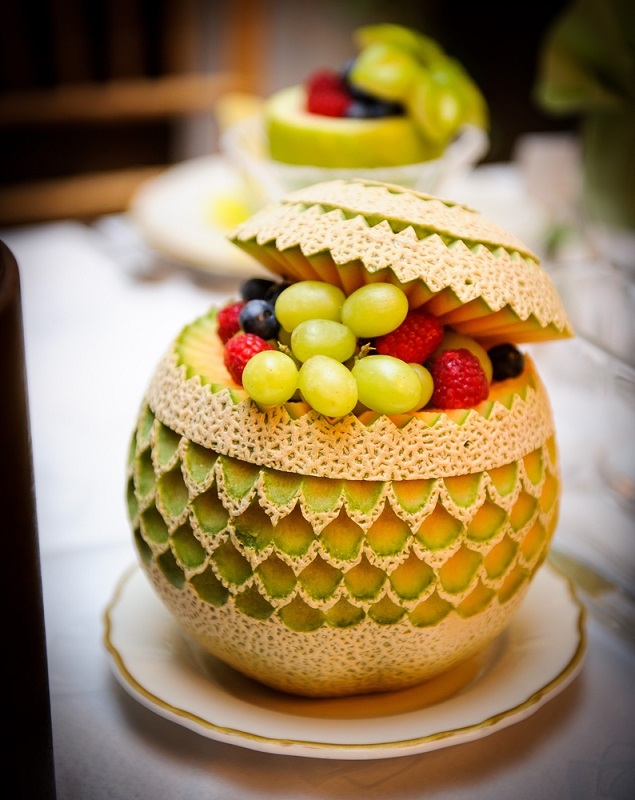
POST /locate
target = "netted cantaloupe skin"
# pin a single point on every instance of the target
(192, 393)
(355, 580)
(449, 259)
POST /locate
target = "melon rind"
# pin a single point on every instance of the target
(296, 136)
(332, 660)
(444, 255)
(197, 504)
(369, 553)
(428, 445)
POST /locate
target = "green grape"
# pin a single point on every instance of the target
(424, 104)
(374, 309)
(384, 71)
(322, 337)
(387, 385)
(451, 74)
(447, 108)
(308, 300)
(425, 49)
(399, 63)
(452, 340)
(328, 386)
(270, 377)
(442, 99)
(475, 111)
(427, 385)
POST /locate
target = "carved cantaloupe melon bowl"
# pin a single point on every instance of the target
(328, 557)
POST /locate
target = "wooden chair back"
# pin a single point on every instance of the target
(91, 92)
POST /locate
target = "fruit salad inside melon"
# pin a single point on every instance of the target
(400, 100)
(344, 480)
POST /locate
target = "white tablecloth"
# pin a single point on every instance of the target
(99, 311)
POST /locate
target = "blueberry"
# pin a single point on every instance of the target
(255, 288)
(507, 361)
(373, 108)
(274, 291)
(258, 316)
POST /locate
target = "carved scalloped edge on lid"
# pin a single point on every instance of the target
(416, 237)
(347, 448)
(403, 207)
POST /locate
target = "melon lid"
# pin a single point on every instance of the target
(476, 277)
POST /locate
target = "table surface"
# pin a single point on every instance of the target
(99, 311)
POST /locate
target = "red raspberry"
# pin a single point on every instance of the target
(239, 349)
(327, 94)
(324, 80)
(414, 340)
(328, 104)
(227, 319)
(459, 380)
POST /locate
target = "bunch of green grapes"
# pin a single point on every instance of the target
(400, 65)
(321, 357)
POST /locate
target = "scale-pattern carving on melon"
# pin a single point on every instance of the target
(348, 449)
(380, 491)
(330, 661)
(445, 246)
(528, 513)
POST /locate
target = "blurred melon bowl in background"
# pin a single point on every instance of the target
(400, 111)
(331, 557)
(246, 147)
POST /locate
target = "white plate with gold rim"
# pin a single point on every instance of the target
(535, 659)
(186, 212)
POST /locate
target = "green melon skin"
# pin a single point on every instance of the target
(298, 137)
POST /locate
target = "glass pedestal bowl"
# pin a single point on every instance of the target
(245, 146)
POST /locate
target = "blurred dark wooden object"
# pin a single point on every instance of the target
(91, 91)
(27, 712)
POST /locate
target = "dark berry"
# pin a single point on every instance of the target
(255, 288)
(507, 361)
(373, 108)
(258, 317)
(274, 291)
